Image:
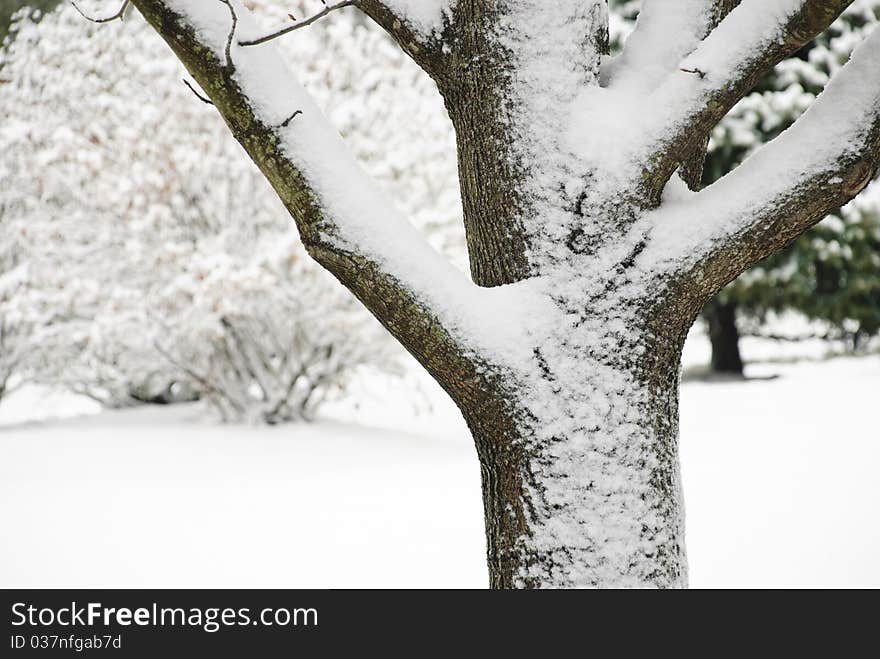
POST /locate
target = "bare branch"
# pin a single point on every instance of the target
(289, 119)
(197, 95)
(299, 24)
(118, 15)
(423, 51)
(231, 35)
(696, 71)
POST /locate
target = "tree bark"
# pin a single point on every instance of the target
(724, 337)
(599, 506)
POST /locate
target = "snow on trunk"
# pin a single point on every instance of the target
(586, 491)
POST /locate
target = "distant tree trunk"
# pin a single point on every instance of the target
(724, 336)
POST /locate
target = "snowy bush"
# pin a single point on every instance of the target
(146, 257)
(15, 324)
(270, 337)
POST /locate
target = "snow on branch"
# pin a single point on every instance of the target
(416, 26)
(819, 164)
(195, 92)
(425, 17)
(664, 34)
(346, 223)
(728, 63)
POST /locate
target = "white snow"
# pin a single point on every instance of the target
(426, 16)
(778, 476)
(780, 484)
(834, 127)
(665, 32)
(742, 37)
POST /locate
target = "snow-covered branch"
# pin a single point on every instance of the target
(825, 159)
(750, 40)
(422, 17)
(651, 52)
(344, 220)
(415, 25)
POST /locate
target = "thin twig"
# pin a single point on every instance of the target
(770, 336)
(198, 96)
(117, 15)
(695, 70)
(300, 24)
(284, 123)
(231, 34)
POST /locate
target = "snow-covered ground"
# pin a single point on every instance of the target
(780, 482)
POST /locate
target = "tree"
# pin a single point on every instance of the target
(589, 259)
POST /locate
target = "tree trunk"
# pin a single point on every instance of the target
(587, 492)
(724, 336)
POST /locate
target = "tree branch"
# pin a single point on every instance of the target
(746, 44)
(691, 169)
(819, 164)
(425, 49)
(344, 221)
